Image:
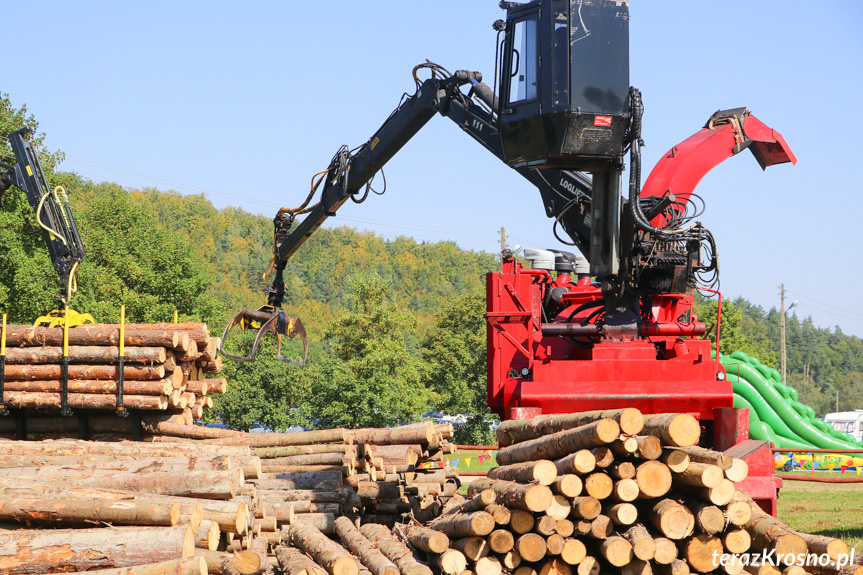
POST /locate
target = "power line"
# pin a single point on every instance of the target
(826, 304)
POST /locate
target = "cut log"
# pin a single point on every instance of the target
(426, 539)
(510, 560)
(247, 562)
(703, 455)
(625, 490)
(601, 527)
(451, 562)
(195, 565)
(324, 522)
(292, 561)
(709, 519)
(637, 567)
(107, 372)
(672, 519)
(535, 498)
(487, 566)
(564, 527)
(702, 552)
(116, 512)
(622, 514)
(739, 541)
(53, 550)
(327, 553)
(666, 551)
(501, 514)
(546, 525)
(580, 462)
(720, 495)
(643, 545)
(541, 471)
(394, 549)
(562, 443)
(530, 547)
(622, 470)
(207, 535)
(521, 521)
(473, 548)
(500, 541)
(573, 552)
(738, 512)
(822, 545)
(47, 400)
(770, 533)
(598, 485)
(555, 566)
(629, 421)
(700, 475)
(588, 566)
(283, 439)
(479, 502)
(654, 479)
(676, 567)
(560, 507)
(395, 435)
(88, 354)
(738, 470)
(603, 456)
(616, 550)
(370, 556)
(673, 429)
(676, 459)
(132, 386)
(569, 485)
(460, 525)
(586, 507)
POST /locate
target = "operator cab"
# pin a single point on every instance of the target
(565, 83)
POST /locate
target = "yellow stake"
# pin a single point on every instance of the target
(175, 316)
(122, 330)
(3, 339)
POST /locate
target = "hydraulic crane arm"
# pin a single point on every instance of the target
(55, 219)
(348, 173)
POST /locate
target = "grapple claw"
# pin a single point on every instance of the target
(266, 320)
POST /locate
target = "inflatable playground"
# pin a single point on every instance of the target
(776, 415)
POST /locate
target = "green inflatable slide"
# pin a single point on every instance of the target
(775, 414)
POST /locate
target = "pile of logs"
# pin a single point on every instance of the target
(165, 370)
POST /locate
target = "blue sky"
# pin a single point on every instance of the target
(247, 100)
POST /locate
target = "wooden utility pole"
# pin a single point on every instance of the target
(502, 239)
(782, 331)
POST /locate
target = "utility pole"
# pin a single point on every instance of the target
(782, 330)
(502, 239)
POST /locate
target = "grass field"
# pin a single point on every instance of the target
(818, 508)
(823, 509)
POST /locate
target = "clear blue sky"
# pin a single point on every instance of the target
(248, 100)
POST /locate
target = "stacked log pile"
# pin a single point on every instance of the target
(165, 376)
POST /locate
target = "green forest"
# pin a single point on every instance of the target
(396, 327)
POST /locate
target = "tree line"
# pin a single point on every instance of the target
(396, 327)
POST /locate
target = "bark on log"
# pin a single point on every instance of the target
(479, 502)
(394, 549)
(473, 548)
(535, 498)
(49, 550)
(317, 480)
(291, 450)
(395, 435)
(327, 553)
(616, 550)
(195, 565)
(700, 475)
(286, 439)
(601, 527)
(513, 431)
(501, 514)
(703, 455)
(673, 429)
(109, 372)
(323, 522)
(207, 535)
(344, 496)
(132, 386)
(560, 444)
(770, 533)
(643, 545)
(821, 545)
(83, 354)
(117, 512)
(95, 334)
(371, 557)
(70, 447)
(47, 400)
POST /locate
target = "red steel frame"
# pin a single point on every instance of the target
(666, 368)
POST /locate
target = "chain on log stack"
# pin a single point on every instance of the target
(165, 379)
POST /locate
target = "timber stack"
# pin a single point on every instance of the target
(167, 371)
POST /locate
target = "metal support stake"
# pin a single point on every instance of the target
(3, 410)
(65, 410)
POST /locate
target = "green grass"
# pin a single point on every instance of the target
(834, 510)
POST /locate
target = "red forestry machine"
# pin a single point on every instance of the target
(623, 334)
